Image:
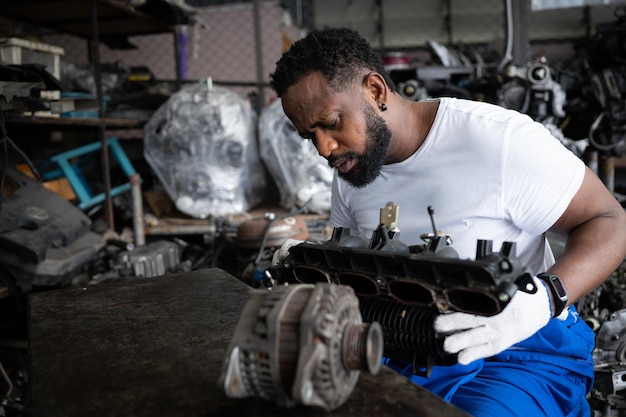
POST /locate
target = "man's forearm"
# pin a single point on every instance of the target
(581, 272)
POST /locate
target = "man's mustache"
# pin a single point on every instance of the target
(336, 160)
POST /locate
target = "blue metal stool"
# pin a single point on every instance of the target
(80, 187)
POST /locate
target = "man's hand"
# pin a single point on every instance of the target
(474, 337)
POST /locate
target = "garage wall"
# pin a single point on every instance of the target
(222, 45)
(405, 23)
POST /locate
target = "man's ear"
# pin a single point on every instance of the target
(375, 86)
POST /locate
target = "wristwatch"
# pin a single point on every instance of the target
(557, 289)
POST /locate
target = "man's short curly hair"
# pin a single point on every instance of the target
(338, 53)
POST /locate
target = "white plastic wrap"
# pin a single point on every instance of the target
(301, 175)
(201, 144)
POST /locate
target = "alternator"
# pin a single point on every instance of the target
(301, 344)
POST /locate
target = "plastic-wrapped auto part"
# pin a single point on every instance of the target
(201, 144)
(300, 174)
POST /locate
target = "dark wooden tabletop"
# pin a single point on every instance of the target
(155, 347)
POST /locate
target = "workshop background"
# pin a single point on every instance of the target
(131, 153)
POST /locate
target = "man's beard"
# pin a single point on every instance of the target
(372, 159)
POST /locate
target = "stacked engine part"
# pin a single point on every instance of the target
(44, 239)
(532, 90)
(302, 177)
(300, 345)
(610, 366)
(403, 288)
(604, 310)
(604, 56)
(119, 260)
(201, 145)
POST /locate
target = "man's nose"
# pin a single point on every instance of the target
(325, 144)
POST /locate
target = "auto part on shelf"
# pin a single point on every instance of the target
(301, 344)
(44, 239)
(608, 131)
(303, 177)
(533, 91)
(605, 72)
(611, 339)
(122, 260)
(59, 268)
(153, 259)
(404, 287)
(604, 311)
(609, 357)
(607, 393)
(35, 219)
(201, 144)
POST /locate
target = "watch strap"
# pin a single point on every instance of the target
(557, 290)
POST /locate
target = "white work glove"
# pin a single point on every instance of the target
(474, 337)
(282, 252)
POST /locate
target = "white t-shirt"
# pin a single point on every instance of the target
(487, 172)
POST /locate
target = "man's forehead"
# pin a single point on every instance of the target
(307, 94)
(311, 84)
(313, 89)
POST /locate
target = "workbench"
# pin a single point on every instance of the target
(155, 347)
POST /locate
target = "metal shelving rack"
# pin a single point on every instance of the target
(94, 20)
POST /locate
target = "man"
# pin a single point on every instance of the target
(489, 173)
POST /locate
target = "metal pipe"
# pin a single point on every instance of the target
(135, 189)
(95, 56)
(259, 53)
(507, 55)
(177, 60)
(520, 32)
(448, 21)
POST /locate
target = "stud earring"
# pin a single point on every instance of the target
(383, 107)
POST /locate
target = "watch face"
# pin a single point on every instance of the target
(558, 286)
